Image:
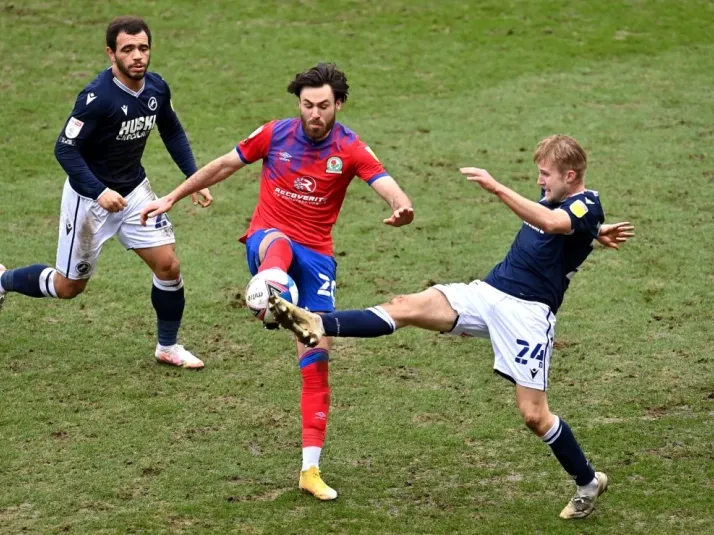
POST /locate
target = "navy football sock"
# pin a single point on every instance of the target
(368, 323)
(36, 280)
(567, 450)
(169, 301)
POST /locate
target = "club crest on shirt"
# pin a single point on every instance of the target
(83, 267)
(153, 104)
(334, 165)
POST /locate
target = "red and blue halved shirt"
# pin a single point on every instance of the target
(303, 182)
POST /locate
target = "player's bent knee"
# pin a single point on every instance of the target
(401, 308)
(268, 240)
(407, 310)
(168, 269)
(536, 419)
(68, 288)
(402, 303)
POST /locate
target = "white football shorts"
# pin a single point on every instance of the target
(85, 226)
(521, 332)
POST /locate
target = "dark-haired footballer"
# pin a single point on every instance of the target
(308, 163)
(100, 149)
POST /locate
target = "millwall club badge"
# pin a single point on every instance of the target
(334, 165)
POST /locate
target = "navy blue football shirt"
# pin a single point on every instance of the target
(103, 140)
(539, 266)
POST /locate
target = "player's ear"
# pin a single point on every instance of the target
(111, 54)
(571, 176)
(338, 105)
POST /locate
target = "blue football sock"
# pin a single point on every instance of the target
(36, 280)
(368, 323)
(169, 301)
(567, 450)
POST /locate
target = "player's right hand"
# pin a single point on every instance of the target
(155, 208)
(111, 201)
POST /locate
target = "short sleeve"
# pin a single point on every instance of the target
(366, 164)
(255, 146)
(586, 215)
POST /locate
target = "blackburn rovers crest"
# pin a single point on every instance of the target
(334, 165)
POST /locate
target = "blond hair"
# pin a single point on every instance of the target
(563, 152)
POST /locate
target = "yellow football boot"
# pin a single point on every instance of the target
(310, 481)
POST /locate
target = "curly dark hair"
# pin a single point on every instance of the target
(130, 25)
(319, 75)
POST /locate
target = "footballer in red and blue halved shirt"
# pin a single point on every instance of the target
(308, 163)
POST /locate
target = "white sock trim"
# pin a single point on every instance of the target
(169, 286)
(554, 432)
(590, 489)
(311, 457)
(383, 314)
(47, 282)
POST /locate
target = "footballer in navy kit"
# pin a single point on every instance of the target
(100, 149)
(514, 306)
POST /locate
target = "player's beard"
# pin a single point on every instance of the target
(124, 69)
(321, 133)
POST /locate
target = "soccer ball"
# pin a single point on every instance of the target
(266, 283)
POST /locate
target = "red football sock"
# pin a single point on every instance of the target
(279, 255)
(315, 398)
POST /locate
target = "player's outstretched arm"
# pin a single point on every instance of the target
(402, 210)
(615, 234)
(212, 173)
(549, 221)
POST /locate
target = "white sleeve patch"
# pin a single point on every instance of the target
(73, 128)
(256, 132)
(372, 153)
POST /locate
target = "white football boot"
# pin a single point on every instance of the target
(581, 505)
(177, 355)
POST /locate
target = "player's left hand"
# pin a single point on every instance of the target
(613, 235)
(481, 177)
(202, 197)
(400, 217)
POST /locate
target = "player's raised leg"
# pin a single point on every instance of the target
(429, 309)
(552, 430)
(275, 251)
(83, 229)
(39, 280)
(36, 280)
